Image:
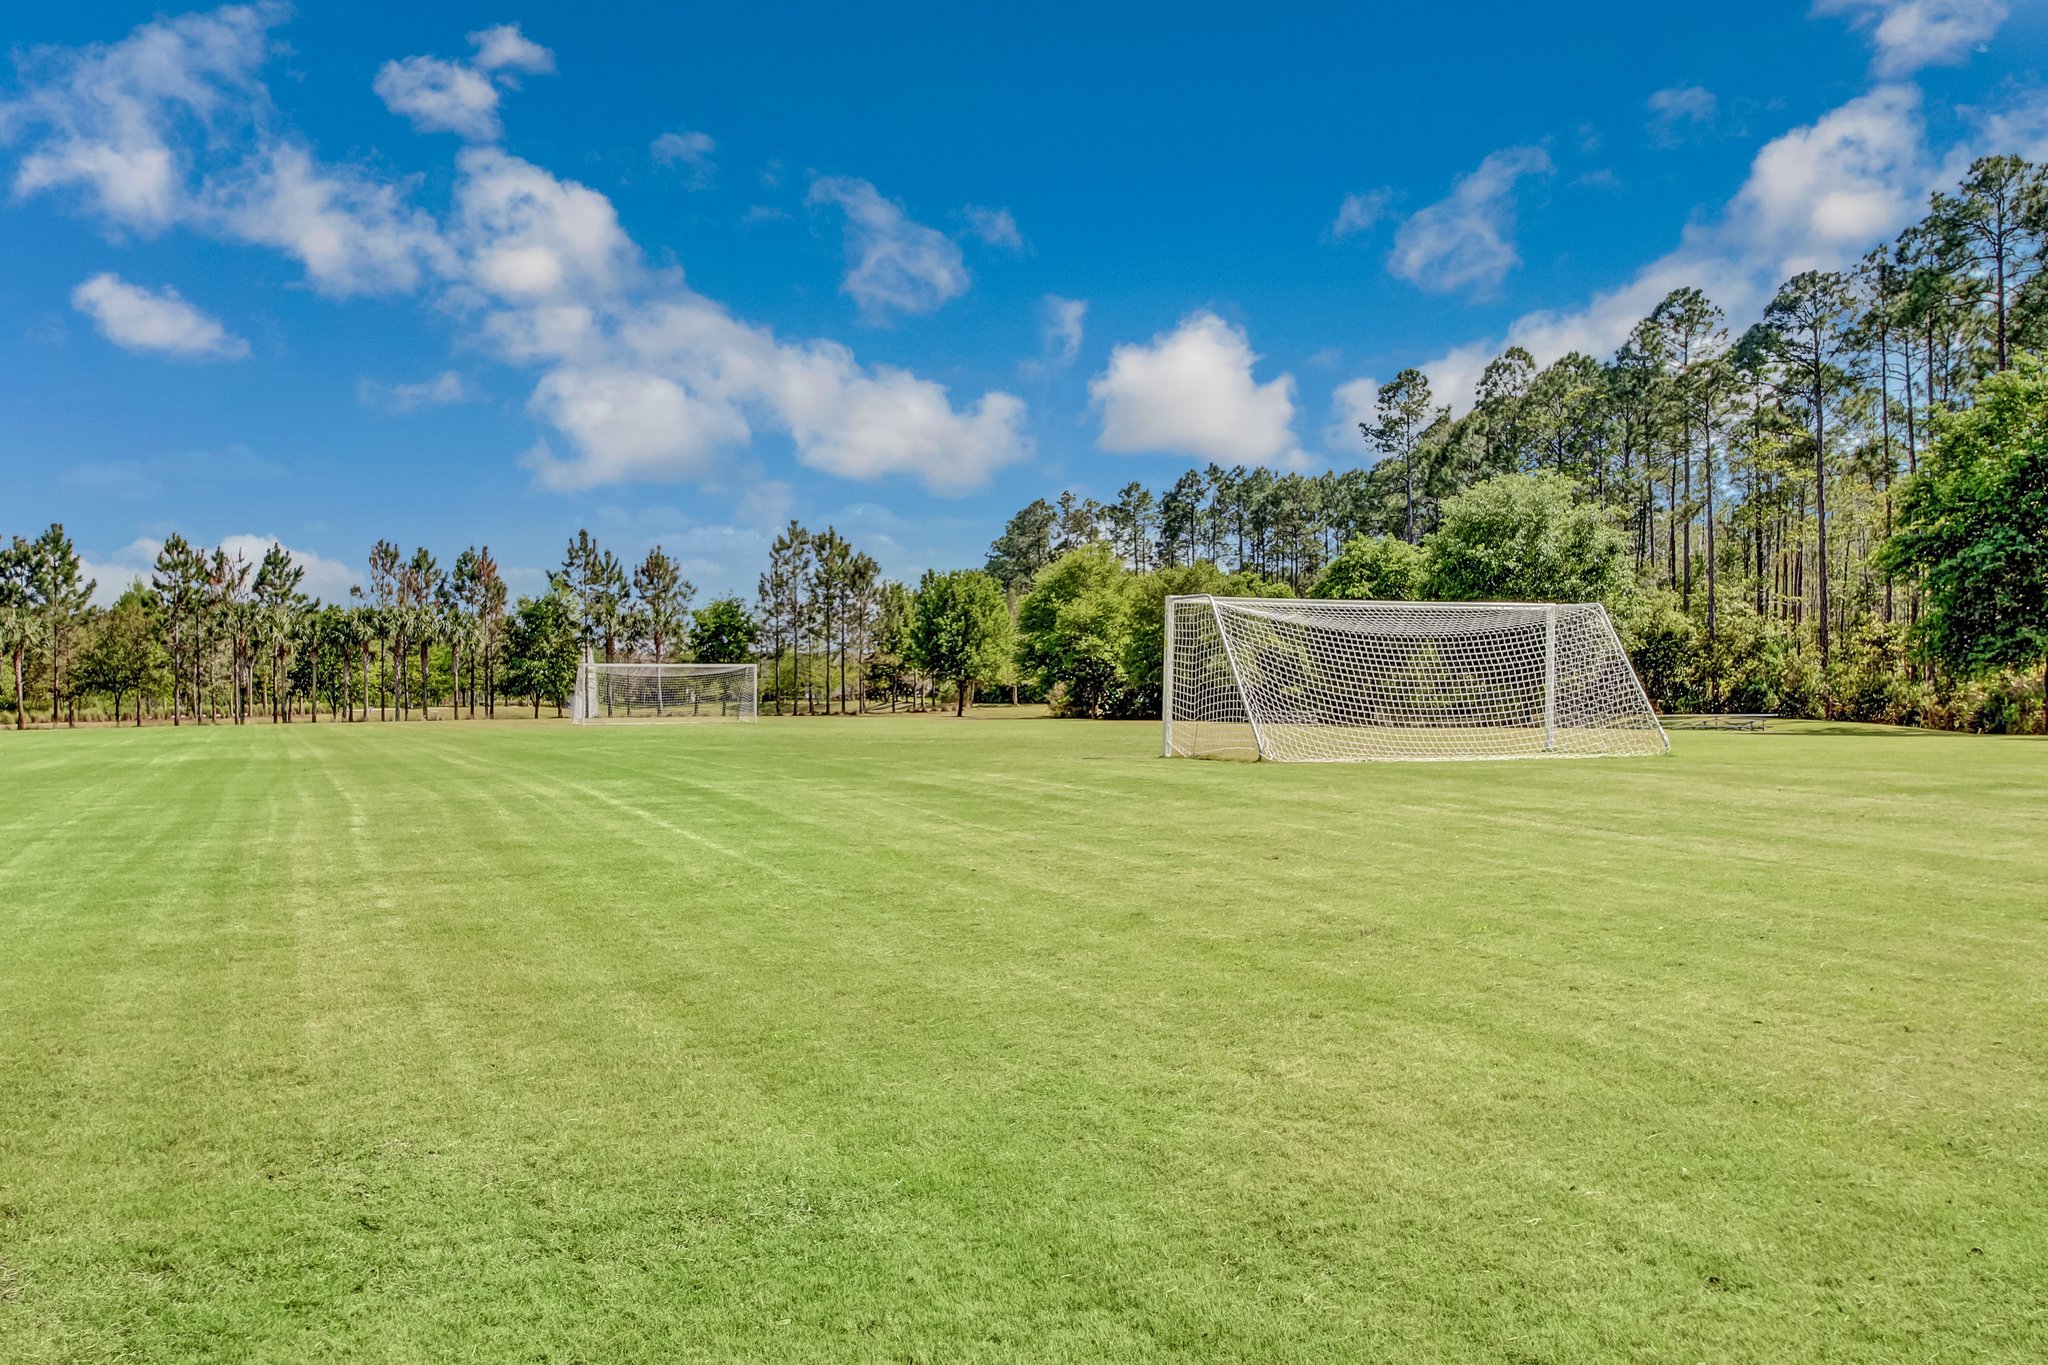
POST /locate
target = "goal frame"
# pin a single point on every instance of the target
(585, 702)
(1549, 614)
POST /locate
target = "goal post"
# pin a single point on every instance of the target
(1312, 680)
(644, 693)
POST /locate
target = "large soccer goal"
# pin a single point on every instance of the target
(636, 693)
(1336, 681)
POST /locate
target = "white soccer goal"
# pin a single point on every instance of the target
(1314, 681)
(637, 693)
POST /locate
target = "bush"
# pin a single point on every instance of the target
(1374, 568)
(1526, 538)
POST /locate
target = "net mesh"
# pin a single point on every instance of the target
(1337, 681)
(619, 693)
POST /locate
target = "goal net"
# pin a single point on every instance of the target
(1336, 681)
(636, 693)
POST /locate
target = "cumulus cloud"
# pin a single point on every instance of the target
(648, 380)
(637, 376)
(894, 264)
(113, 120)
(443, 389)
(1466, 240)
(1906, 35)
(1361, 213)
(504, 48)
(1679, 104)
(993, 226)
(1816, 197)
(353, 234)
(327, 579)
(692, 151)
(1191, 392)
(1355, 401)
(171, 127)
(461, 97)
(1063, 326)
(440, 97)
(154, 321)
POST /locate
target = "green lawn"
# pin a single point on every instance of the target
(1005, 1040)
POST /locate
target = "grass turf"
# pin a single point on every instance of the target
(1006, 1040)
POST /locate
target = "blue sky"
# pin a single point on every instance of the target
(486, 273)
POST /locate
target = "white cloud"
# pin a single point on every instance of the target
(1692, 104)
(896, 264)
(1465, 241)
(1063, 326)
(527, 236)
(461, 97)
(692, 150)
(132, 563)
(1906, 35)
(1191, 392)
(353, 234)
(504, 48)
(637, 376)
(170, 126)
(159, 321)
(443, 389)
(1361, 212)
(1353, 402)
(440, 97)
(327, 579)
(630, 424)
(113, 117)
(993, 226)
(1816, 197)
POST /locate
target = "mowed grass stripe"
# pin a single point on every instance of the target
(1006, 1040)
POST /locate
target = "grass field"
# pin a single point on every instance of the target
(1004, 1040)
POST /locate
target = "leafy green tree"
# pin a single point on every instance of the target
(121, 653)
(1073, 627)
(1374, 569)
(1807, 330)
(1525, 538)
(1024, 547)
(278, 605)
(1180, 520)
(1973, 528)
(544, 646)
(179, 582)
(722, 632)
(961, 631)
(1502, 395)
(1404, 411)
(596, 584)
(423, 590)
(18, 630)
(57, 594)
(889, 663)
(1130, 519)
(1142, 669)
(1997, 221)
(664, 596)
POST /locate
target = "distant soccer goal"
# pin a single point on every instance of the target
(609, 694)
(1334, 682)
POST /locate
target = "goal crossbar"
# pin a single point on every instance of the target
(649, 693)
(1342, 681)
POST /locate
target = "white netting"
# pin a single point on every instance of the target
(612, 693)
(1336, 681)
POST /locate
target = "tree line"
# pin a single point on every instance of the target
(1841, 511)
(1761, 481)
